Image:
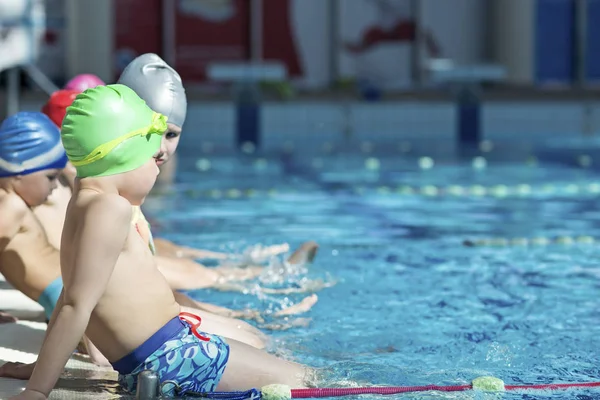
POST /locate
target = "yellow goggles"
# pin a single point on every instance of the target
(158, 126)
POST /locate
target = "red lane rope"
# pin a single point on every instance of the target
(552, 386)
(338, 392)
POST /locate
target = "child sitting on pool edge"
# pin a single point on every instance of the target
(181, 273)
(31, 156)
(161, 87)
(110, 277)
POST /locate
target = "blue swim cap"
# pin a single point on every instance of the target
(30, 142)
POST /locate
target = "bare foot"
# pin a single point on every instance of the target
(305, 254)
(306, 304)
(259, 254)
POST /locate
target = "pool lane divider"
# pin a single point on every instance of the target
(148, 383)
(531, 241)
(495, 191)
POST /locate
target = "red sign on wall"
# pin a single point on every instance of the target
(279, 37)
(209, 31)
(205, 31)
(137, 31)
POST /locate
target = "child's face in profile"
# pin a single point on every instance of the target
(139, 182)
(169, 144)
(35, 188)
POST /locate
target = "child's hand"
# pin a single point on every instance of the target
(6, 318)
(17, 370)
(29, 395)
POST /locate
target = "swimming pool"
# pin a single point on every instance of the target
(412, 304)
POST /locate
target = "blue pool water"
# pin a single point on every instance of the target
(412, 305)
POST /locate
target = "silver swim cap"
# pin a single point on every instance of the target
(158, 85)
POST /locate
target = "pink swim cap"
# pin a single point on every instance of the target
(83, 82)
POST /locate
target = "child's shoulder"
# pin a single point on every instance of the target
(13, 210)
(12, 202)
(102, 217)
(104, 205)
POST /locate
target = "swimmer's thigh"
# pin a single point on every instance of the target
(249, 367)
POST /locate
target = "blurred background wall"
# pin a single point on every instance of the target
(344, 71)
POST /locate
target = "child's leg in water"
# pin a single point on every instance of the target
(237, 274)
(261, 254)
(257, 255)
(185, 274)
(303, 306)
(187, 301)
(306, 304)
(305, 254)
(306, 286)
(248, 367)
(287, 324)
(224, 326)
(239, 331)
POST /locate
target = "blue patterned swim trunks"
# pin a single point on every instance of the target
(178, 353)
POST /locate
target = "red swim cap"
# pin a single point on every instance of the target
(56, 106)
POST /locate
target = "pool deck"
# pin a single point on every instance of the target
(21, 341)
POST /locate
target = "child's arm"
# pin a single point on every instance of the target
(23, 371)
(103, 234)
(95, 354)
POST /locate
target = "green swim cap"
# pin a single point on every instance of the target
(110, 130)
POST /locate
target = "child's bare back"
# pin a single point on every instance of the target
(24, 247)
(31, 158)
(51, 214)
